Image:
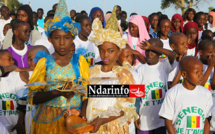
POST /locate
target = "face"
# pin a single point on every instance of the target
(118, 11)
(192, 34)
(109, 53)
(210, 19)
(55, 7)
(206, 18)
(30, 56)
(5, 12)
(61, 41)
(35, 18)
(190, 16)
(154, 21)
(124, 17)
(152, 57)
(195, 74)
(72, 14)
(201, 20)
(208, 35)
(22, 15)
(6, 28)
(126, 55)
(86, 27)
(134, 30)
(6, 59)
(23, 32)
(40, 13)
(98, 14)
(206, 53)
(181, 46)
(165, 26)
(177, 25)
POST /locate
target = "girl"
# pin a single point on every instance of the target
(21, 34)
(92, 53)
(177, 23)
(97, 12)
(61, 65)
(24, 13)
(104, 113)
(136, 34)
(189, 15)
(211, 19)
(199, 18)
(192, 32)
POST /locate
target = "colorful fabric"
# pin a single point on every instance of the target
(174, 17)
(208, 86)
(112, 21)
(61, 10)
(195, 44)
(91, 14)
(213, 15)
(193, 121)
(7, 105)
(147, 20)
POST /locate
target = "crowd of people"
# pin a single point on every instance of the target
(174, 58)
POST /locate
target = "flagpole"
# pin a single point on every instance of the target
(5, 1)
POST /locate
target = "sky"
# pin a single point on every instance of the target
(142, 7)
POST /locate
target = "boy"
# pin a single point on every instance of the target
(187, 106)
(156, 73)
(179, 44)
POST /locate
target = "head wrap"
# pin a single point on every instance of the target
(174, 17)
(61, 21)
(195, 44)
(91, 14)
(28, 10)
(143, 33)
(147, 20)
(109, 33)
(213, 15)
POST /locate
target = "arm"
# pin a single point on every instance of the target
(42, 97)
(170, 54)
(206, 127)
(176, 79)
(213, 82)
(169, 126)
(83, 108)
(141, 58)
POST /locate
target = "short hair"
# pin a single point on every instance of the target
(108, 12)
(124, 12)
(12, 13)
(186, 13)
(35, 13)
(5, 7)
(50, 12)
(54, 6)
(40, 9)
(82, 18)
(205, 43)
(83, 12)
(2, 52)
(173, 38)
(119, 7)
(204, 34)
(161, 18)
(50, 15)
(197, 16)
(151, 15)
(73, 10)
(213, 10)
(133, 14)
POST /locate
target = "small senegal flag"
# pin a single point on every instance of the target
(193, 121)
(208, 86)
(90, 61)
(7, 105)
(156, 94)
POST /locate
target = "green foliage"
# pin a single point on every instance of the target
(210, 8)
(13, 5)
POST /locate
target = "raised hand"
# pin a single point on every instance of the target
(211, 60)
(145, 45)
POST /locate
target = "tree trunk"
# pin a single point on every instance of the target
(182, 6)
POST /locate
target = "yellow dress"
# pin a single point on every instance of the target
(48, 118)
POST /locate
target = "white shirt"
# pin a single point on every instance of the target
(155, 79)
(187, 109)
(3, 129)
(92, 55)
(134, 42)
(166, 44)
(191, 52)
(20, 52)
(8, 101)
(2, 24)
(45, 42)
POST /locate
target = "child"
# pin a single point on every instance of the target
(192, 32)
(207, 35)
(211, 19)
(97, 12)
(200, 21)
(61, 65)
(153, 19)
(81, 41)
(6, 28)
(104, 113)
(154, 74)
(179, 44)
(9, 85)
(187, 106)
(19, 49)
(136, 34)
(177, 23)
(189, 15)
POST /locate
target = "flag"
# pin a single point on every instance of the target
(157, 94)
(90, 61)
(208, 86)
(7, 105)
(193, 121)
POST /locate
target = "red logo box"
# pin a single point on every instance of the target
(137, 91)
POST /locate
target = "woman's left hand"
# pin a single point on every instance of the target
(96, 123)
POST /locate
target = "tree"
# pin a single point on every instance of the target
(180, 4)
(210, 8)
(13, 5)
